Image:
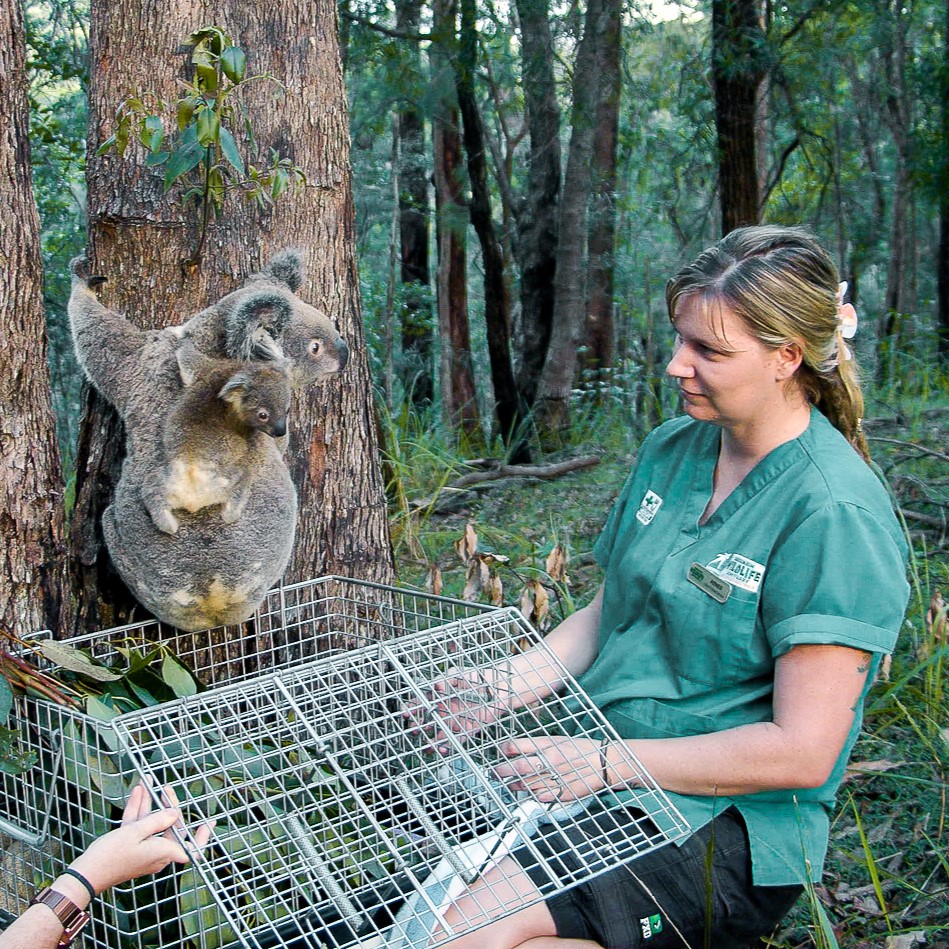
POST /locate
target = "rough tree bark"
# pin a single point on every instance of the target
(459, 396)
(509, 409)
(602, 240)
(738, 70)
(417, 340)
(139, 237)
(32, 566)
(537, 219)
(560, 367)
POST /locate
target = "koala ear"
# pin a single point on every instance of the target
(266, 312)
(190, 362)
(234, 387)
(286, 267)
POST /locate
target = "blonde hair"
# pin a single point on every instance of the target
(783, 285)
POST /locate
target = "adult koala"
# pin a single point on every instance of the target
(208, 573)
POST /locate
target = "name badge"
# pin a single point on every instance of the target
(717, 588)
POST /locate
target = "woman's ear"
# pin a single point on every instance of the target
(788, 360)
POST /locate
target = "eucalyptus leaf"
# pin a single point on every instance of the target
(107, 776)
(234, 63)
(208, 127)
(200, 915)
(178, 678)
(12, 760)
(182, 161)
(106, 145)
(6, 698)
(230, 152)
(68, 657)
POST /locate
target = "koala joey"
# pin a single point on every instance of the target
(212, 570)
(218, 434)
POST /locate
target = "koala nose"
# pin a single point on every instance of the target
(342, 351)
(278, 428)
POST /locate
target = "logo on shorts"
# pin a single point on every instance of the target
(648, 507)
(650, 926)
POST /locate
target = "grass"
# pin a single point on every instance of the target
(886, 880)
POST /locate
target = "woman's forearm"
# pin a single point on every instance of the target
(532, 676)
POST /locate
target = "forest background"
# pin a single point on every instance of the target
(525, 177)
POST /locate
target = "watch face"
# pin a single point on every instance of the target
(71, 916)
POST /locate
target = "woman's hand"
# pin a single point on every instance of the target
(143, 844)
(554, 769)
(463, 703)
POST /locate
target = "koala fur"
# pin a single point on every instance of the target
(218, 434)
(209, 572)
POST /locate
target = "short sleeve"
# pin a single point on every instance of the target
(839, 578)
(607, 539)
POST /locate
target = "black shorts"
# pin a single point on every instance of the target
(663, 899)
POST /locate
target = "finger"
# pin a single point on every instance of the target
(158, 821)
(168, 796)
(137, 805)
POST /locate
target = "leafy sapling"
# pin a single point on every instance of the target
(210, 117)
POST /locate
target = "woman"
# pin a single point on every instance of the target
(754, 576)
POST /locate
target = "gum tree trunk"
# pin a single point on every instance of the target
(537, 220)
(459, 396)
(737, 74)
(139, 238)
(417, 368)
(32, 565)
(560, 368)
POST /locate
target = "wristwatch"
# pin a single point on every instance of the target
(71, 916)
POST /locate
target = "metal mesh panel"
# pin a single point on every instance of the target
(353, 798)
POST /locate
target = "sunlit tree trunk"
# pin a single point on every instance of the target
(537, 220)
(139, 237)
(459, 396)
(32, 565)
(414, 173)
(738, 57)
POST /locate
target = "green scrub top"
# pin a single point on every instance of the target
(805, 550)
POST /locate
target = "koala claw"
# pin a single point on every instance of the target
(231, 513)
(165, 521)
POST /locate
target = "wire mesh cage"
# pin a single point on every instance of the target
(356, 767)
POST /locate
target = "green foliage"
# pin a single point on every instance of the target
(209, 119)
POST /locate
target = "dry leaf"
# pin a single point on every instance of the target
(494, 589)
(467, 544)
(858, 769)
(68, 657)
(906, 940)
(472, 581)
(885, 665)
(535, 603)
(937, 621)
(557, 565)
(433, 580)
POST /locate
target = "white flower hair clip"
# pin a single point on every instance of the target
(846, 321)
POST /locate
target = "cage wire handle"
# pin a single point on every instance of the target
(322, 748)
(28, 837)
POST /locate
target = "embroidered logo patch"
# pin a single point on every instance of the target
(739, 571)
(650, 926)
(648, 507)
